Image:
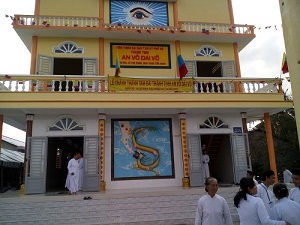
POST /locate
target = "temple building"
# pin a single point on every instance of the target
(141, 89)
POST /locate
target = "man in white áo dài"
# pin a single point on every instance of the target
(73, 175)
(205, 161)
(212, 209)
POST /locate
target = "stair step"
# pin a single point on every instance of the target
(128, 209)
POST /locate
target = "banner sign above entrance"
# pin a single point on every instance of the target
(136, 84)
(140, 55)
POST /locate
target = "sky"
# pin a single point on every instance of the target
(261, 58)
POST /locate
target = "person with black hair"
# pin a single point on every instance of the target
(212, 209)
(295, 192)
(268, 178)
(251, 209)
(250, 174)
(285, 209)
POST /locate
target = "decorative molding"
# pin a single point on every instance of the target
(68, 47)
(66, 123)
(213, 122)
(208, 51)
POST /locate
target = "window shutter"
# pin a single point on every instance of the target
(45, 65)
(228, 68)
(191, 66)
(90, 67)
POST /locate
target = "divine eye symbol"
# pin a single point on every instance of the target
(140, 15)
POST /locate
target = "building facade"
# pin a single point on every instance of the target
(144, 127)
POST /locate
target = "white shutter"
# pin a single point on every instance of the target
(195, 160)
(90, 67)
(241, 155)
(91, 156)
(45, 65)
(192, 68)
(36, 164)
(228, 70)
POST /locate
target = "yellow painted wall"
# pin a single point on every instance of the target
(215, 11)
(106, 11)
(188, 48)
(90, 46)
(85, 8)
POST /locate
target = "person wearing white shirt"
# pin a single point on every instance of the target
(73, 174)
(205, 161)
(295, 192)
(250, 174)
(212, 209)
(80, 177)
(287, 175)
(251, 209)
(264, 193)
(285, 209)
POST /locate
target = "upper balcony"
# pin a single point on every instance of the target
(23, 94)
(92, 27)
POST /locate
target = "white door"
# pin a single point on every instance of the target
(240, 155)
(36, 164)
(195, 160)
(91, 157)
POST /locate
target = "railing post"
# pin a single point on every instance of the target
(280, 86)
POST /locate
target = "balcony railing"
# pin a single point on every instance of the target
(96, 23)
(98, 84)
(208, 28)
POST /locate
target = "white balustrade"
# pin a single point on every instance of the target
(93, 84)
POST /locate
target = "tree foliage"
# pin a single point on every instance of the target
(285, 139)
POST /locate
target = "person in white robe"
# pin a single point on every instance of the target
(73, 175)
(295, 192)
(287, 175)
(285, 209)
(80, 167)
(205, 161)
(251, 209)
(263, 191)
(250, 174)
(212, 208)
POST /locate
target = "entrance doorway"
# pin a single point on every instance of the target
(67, 66)
(60, 151)
(218, 148)
(229, 157)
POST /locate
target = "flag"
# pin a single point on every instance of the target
(118, 66)
(181, 66)
(284, 66)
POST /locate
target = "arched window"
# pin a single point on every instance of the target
(68, 47)
(214, 122)
(207, 51)
(65, 124)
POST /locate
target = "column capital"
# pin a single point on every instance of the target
(29, 117)
(243, 115)
(102, 116)
(182, 116)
